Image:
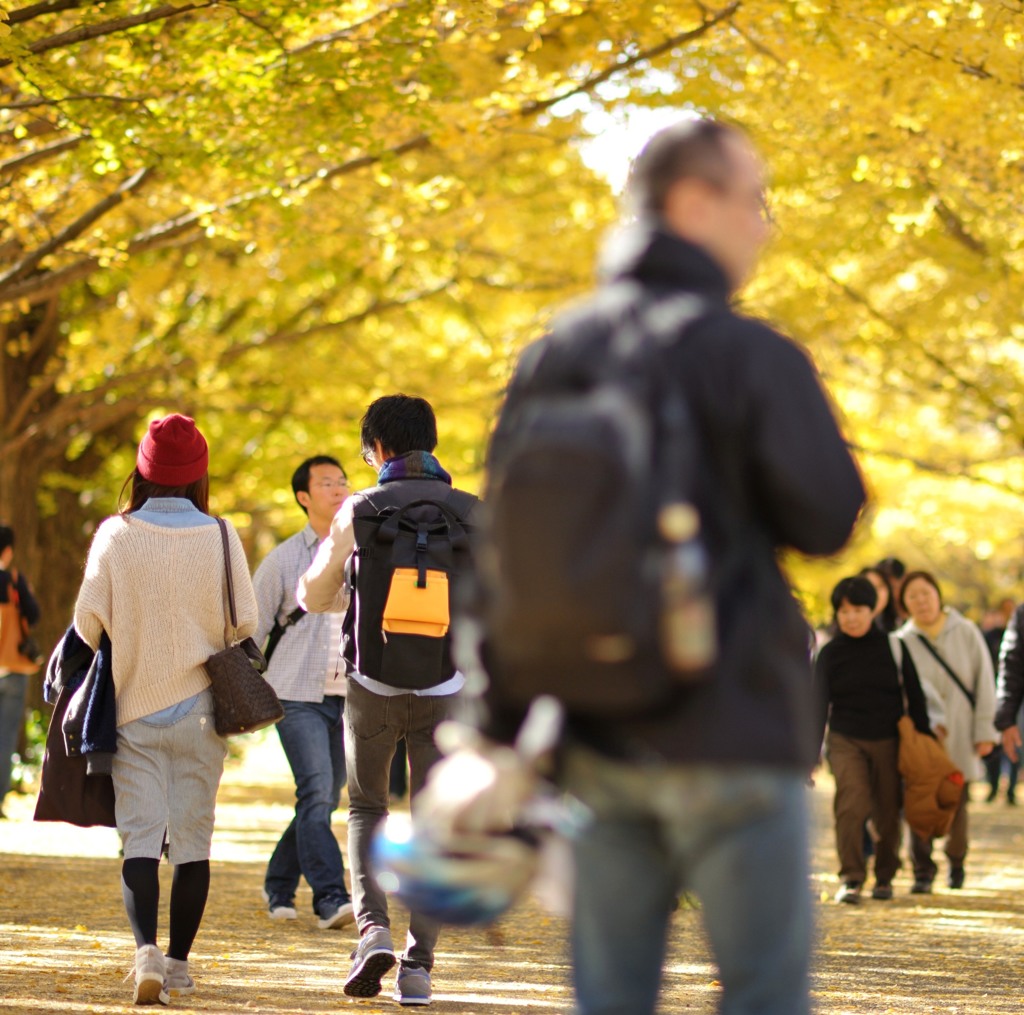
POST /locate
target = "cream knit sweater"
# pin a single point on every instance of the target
(161, 595)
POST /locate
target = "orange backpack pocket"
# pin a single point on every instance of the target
(412, 609)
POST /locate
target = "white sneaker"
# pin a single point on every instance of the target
(279, 908)
(149, 976)
(177, 981)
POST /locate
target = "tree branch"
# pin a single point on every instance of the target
(29, 263)
(344, 33)
(79, 97)
(983, 396)
(960, 469)
(85, 33)
(41, 154)
(377, 306)
(43, 285)
(590, 83)
(24, 14)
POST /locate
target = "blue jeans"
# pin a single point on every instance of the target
(12, 717)
(313, 741)
(736, 837)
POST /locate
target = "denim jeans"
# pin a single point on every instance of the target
(12, 716)
(736, 837)
(373, 726)
(313, 742)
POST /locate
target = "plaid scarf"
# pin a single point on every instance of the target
(412, 465)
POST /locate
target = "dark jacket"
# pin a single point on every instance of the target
(90, 725)
(1010, 672)
(858, 687)
(76, 787)
(776, 474)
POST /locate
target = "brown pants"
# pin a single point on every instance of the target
(867, 786)
(956, 844)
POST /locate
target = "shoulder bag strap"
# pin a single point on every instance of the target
(949, 669)
(896, 651)
(231, 582)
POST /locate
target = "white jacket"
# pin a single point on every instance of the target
(962, 645)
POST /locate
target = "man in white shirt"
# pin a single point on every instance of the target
(307, 672)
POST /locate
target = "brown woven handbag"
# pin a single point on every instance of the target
(242, 700)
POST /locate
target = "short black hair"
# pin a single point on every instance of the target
(857, 591)
(401, 423)
(690, 148)
(892, 566)
(6, 537)
(300, 477)
(913, 576)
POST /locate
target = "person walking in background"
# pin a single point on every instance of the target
(858, 685)
(952, 659)
(886, 616)
(155, 584)
(15, 667)
(306, 670)
(895, 570)
(993, 627)
(398, 435)
(1010, 690)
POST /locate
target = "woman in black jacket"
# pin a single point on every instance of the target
(861, 700)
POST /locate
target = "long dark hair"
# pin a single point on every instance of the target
(888, 618)
(142, 489)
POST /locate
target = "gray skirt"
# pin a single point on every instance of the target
(165, 780)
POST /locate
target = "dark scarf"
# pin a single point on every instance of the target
(412, 465)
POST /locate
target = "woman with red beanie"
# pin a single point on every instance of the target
(155, 583)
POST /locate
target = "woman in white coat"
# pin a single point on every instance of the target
(951, 657)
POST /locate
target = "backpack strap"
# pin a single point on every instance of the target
(949, 669)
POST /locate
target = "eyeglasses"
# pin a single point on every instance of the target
(331, 484)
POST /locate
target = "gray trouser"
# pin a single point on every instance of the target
(373, 726)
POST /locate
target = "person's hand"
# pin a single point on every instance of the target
(1011, 742)
(984, 748)
(482, 786)
(477, 788)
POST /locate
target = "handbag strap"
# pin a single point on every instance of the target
(896, 651)
(949, 669)
(223, 525)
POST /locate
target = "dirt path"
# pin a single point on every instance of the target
(65, 945)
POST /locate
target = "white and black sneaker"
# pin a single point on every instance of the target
(279, 907)
(849, 893)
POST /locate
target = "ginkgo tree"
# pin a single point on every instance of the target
(267, 215)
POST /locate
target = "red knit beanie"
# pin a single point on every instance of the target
(173, 452)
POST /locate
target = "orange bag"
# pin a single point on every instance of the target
(412, 609)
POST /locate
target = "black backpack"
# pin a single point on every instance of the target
(410, 561)
(593, 583)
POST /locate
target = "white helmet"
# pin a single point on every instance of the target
(460, 878)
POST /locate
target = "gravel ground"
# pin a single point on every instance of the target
(65, 945)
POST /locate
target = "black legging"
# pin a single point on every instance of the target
(140, 885)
